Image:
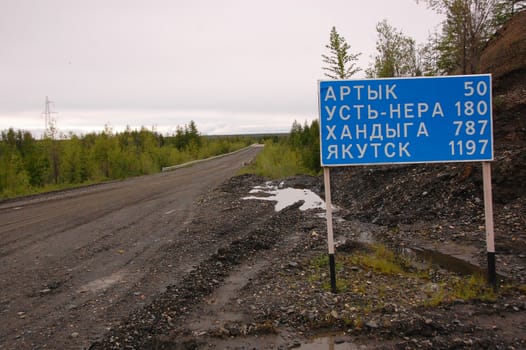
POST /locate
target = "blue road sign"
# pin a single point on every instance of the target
(406, 120)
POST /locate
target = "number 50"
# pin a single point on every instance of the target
(481, 88)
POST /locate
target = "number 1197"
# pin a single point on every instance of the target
(467, 147)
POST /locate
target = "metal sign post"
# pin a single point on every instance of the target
(408, 121)
(488, 213)
(330, 235)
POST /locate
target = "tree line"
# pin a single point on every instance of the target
(28, 165)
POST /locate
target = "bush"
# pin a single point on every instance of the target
(297, 154)
(277, 160)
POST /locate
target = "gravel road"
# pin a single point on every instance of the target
(73, 263)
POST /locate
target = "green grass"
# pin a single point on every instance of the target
(276, 161)
(474, 287)
(319, 268)
(381, 260)
(465, 288)
(375, 279)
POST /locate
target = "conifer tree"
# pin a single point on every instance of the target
(340, 62)
(397, 55)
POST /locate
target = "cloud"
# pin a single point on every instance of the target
(209, 122)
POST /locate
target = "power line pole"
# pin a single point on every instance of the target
(49, 120)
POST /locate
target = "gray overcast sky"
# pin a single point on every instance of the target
(231, 66)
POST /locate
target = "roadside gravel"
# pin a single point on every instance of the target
(266, 287)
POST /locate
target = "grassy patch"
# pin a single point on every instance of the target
(379, 260)
(320, 275)
(379, 275)
(382, 260)
(276, 161)
(374, 282)
(473, 288)
(464, 288)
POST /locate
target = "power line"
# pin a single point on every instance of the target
(49, 121)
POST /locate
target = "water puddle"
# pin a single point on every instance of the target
(428, 256)
(445, 261)
(286, 196)
(217, 312)
(329, 343)
(102, 283)
(366, 237)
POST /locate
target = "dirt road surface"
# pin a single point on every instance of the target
(73, 263)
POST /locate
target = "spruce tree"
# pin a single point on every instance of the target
(340, 63)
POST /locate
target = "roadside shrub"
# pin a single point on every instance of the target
(297, 154)
(277, 160)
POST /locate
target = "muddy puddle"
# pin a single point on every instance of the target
(445, 261)
(328, 342)
(286, 196)
(423, 255)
